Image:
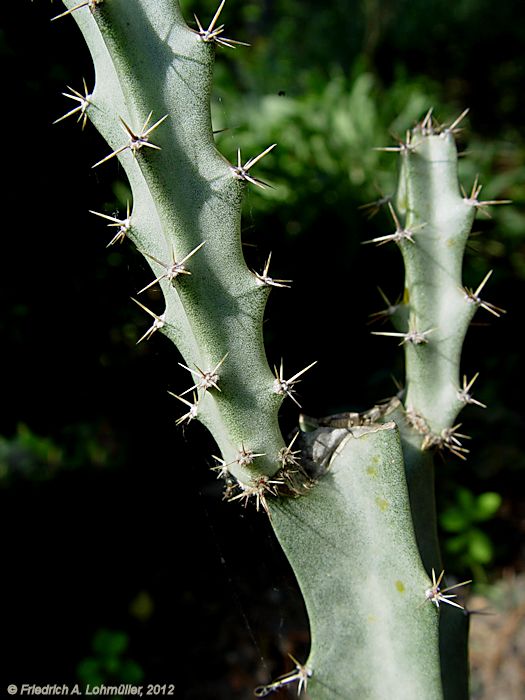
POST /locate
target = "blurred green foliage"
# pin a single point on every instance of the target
(109, 664)
(467, 542)
(29, 456)
(328, 82)
(326, 140)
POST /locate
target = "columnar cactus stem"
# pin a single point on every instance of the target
(353, 502)
(429, 198)
(351, 543)
(433, 317)
(436, 307)
(152, 106)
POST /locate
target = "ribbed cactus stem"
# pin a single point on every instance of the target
(436, 303)
(363, 544)
(153, 83)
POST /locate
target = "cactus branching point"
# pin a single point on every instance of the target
(351, 498)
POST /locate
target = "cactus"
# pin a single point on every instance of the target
(350, 497)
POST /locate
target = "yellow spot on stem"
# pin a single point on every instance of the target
(382, 503)
(400, 586)
(371, 471)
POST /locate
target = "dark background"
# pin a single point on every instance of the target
(120, 561)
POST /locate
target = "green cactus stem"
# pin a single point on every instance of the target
(352, 503)
(151, 102)
(352, 546)
(436, 308)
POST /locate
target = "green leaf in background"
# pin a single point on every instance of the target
(108, 643)
(108, 663)
(480, 547)
(470, 545)
(487, 505)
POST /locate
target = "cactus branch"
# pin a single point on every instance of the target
(331, 536)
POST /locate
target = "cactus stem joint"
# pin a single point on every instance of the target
(449, 439)
(261, 487)
(288, 457)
